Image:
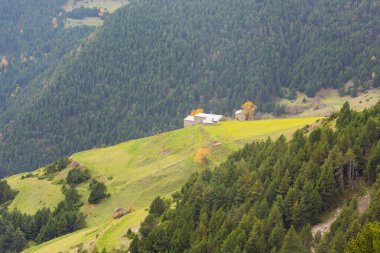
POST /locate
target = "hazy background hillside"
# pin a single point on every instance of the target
(33, 41)
(153, 61)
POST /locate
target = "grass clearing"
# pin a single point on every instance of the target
(34, 193)
(137, 171)
(111, 5)
(68, 242)
(328, 101)
(89, 21)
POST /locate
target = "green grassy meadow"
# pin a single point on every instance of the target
(89, 21)
(111, 5)
(137, 171)
(328, 102)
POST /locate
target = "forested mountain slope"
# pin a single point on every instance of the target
(33, 40)
(265, 196)
(134, 172)
(153, 61)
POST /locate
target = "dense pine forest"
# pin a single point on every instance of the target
(265, 197)
(33, 42)
(154, 61)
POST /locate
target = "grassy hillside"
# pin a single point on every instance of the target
(328, 101)
(111, 5)
(136, 171)
(266, 196)
(174, 55)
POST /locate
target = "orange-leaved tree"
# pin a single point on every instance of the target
(102, 12)
(201, 155)
(196, 111)
(4, 62)
(249, 109)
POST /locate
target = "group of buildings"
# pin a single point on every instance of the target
(209, 119)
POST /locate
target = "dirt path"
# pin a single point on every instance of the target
(324, 227)
(363, 203)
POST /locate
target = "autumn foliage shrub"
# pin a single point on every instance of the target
(201, 155)
(196, 111)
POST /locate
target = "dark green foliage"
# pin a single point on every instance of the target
(83, 12)
(373, 165)
(98, 191)
(57, 166)
(72, 198)
(11, 239)
(351, 232)
(77, 176)
(174, 55)
(265, 197)
(292, 243)
(344, 115)
(16, 228)
(34, 48)
(368, 240)
(157, 207)
(6, 193)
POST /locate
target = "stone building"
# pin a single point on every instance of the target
(240, 115)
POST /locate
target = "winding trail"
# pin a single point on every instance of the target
(324, 227)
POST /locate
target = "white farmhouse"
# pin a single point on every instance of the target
(202, 118)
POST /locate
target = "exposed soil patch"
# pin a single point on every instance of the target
(165, 152)
(363, 203)
(324, 227)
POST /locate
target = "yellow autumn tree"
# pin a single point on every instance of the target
(102, 12)
(201, 156)
(4, 62)
(196, 111)
(249, 109)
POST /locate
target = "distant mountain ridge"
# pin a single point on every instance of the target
(153, 61)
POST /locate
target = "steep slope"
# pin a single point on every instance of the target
(33, 43)
(33, 40)
(137, 171)
(266, 196)
(153, 61)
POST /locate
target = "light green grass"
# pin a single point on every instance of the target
(34, 194)
(68, 242)
(137, 171)
(115, 234)
(240, 131)
(111, 5)
(90, 21)
(329, 102)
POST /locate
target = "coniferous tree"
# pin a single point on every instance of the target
(98, 191)
(292, 242)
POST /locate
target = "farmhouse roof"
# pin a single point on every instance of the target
(201, 114)
(189, 118)
(209, 118)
